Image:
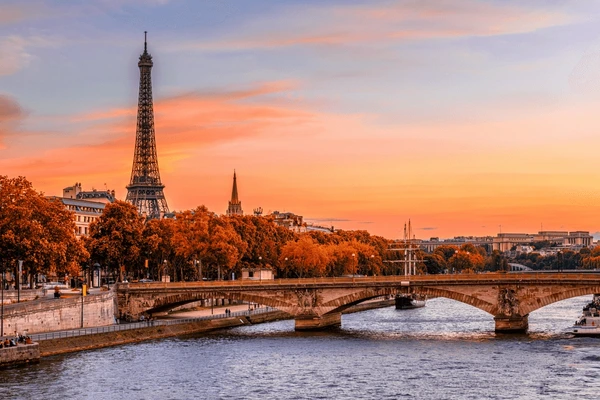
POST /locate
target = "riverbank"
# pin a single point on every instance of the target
(19, 355)
(52, 347)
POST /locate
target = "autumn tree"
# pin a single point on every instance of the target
(157, 246)
(304, 258)
(191, 240)
(467, 259)
(115, 238)
(38, 230)
(225, 247)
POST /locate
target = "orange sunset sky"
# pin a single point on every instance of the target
(468, 117)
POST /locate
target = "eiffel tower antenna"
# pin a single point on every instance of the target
(145, 190)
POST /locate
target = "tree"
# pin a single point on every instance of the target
(304, 258)
(115, 238)
(435, 263)
(225, 247)
(157, 246)
(496, 262)
(191, 240)
(38, 230)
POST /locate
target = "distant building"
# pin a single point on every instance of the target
(506, 241)
(563, 239)
(430, 245)
(87, 206)
(318, 228)
(262, 274)
(289, 220)
(235, 205)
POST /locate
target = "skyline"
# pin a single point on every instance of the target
(461, 116)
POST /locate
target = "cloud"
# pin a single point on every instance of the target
(15, 51)
(382, 25)
(428, 228)
(184, 125)
(11, 113)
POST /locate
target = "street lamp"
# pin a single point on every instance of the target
(19, 281)
(2, 305)
(353, 266)
(259, 268)
(97, 268)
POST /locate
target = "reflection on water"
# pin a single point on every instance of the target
(446, 350)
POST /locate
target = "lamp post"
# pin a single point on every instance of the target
(353, 266)
(260, 268)
(2, 305)
(163, 278)
(373, 260)
(19, 281)
(97, 268)
(82, 296)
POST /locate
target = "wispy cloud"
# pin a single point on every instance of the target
(383, 24)
(16, 51)
(11, 114)
(184, 124)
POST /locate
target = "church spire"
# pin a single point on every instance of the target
(234, 193)
(235, 205)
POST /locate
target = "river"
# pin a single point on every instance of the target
(446, 350)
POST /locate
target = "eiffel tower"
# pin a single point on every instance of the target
(145, 191)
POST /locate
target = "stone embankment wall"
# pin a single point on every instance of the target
(12, 295)
(59, 314)
(21, 354)
(88, 342)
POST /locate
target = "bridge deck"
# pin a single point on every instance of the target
(382, 281)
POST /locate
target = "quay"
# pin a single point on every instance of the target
(19, 354)
(177, 324)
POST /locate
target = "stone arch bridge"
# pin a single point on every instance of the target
(317, 303)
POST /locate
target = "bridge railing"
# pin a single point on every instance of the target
(486, 276)
(143, 324)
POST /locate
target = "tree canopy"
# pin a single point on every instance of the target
(36, 229)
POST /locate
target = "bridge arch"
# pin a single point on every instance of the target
(540, 302)
(170, 301)
(342, 303)
(431, 292)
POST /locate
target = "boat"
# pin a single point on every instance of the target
(589, 322)
(404, 302)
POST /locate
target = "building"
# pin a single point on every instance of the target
(506, 241)
(318, 228)
(289, 220)
(577, 239)
(257, 274)
(235, 205)
(430, 245)
(87, 206)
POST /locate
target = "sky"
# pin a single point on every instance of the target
(467, 117)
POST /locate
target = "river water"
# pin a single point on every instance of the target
(446, 350)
